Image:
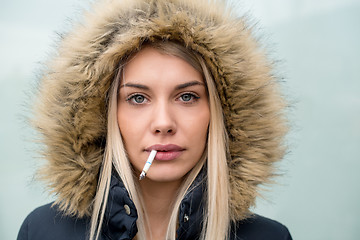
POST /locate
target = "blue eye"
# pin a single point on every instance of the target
(139, 99)
(188, 97)
(136, 99)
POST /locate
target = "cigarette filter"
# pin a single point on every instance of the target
(148, 164)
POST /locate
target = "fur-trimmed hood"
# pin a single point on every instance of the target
(70, 110)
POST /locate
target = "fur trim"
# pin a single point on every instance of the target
(71, 109)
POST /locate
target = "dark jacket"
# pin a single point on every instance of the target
(47, 222)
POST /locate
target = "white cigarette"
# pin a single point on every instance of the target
(148, 164)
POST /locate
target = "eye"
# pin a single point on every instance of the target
(188, 98)
(136, 99)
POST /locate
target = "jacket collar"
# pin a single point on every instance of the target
(191, 210)
(121, 214)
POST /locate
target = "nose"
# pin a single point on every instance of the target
(164, 120)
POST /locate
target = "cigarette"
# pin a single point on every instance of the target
(148, 164)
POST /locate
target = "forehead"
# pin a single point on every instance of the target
(151, 66)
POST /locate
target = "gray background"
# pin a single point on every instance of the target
(317, 44)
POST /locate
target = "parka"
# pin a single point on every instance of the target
(71, 103)
(47, 222)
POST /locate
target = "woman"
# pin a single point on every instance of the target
(180, 77)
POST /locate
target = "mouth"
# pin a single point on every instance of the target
(166, 152)
(164, 148)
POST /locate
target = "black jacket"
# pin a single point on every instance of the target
(48, 222)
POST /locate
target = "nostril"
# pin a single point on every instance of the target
(168, 131)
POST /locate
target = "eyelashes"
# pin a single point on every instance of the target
(136, 99)
(140, 99)
(188, 98)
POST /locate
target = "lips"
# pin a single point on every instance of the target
(166, 152)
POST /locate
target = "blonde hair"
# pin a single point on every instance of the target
(216, 220)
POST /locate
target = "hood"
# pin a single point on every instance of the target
(70, 108)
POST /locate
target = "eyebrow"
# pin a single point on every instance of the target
(178, 87)
(133, 85)
(188, 84)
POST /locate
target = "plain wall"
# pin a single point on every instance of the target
(316, 45)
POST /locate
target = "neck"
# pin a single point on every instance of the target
(158, 199)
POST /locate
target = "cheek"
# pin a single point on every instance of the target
(131, 132)
(200, 119)
(197, 125)
(130, 127)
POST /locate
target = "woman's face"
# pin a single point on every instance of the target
(163, 105)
